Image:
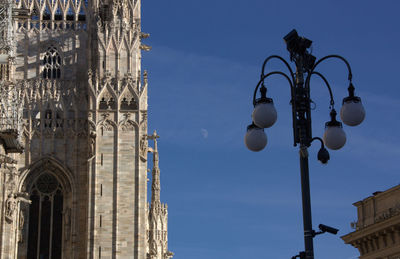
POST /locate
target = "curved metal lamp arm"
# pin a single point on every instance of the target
(323, 157)
(281, 59)
(327, 85)
(320, 140)
(311, 72)
(350, 77)
(270, 74)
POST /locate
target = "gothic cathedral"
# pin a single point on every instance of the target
(78, 189)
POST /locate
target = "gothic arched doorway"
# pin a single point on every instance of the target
(45, 218)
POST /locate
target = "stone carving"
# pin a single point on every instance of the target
(107, 77)
(7, 160)
(144, 35)
(145, 47)
(46, 101)
(153, 249)
(12, 179)
(168, 255)
(143, 148)
(92, 145)
(90, 76)
(56, 22)
(11, 206)
(391, 212)
(128, 79)
(12, 203)
(143, 123)
(127, 124)
(11, 105)
(105, 123)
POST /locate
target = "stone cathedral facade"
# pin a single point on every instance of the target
(79, 188)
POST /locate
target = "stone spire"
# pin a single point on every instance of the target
(158, 212)
(155, 186)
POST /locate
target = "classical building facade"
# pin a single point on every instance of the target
(377, 230)
(79, 188)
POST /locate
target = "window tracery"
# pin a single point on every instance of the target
(45, 218)
(52, 64)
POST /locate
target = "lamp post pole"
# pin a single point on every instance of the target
(305, 193)
(302, 114)
(264, 116)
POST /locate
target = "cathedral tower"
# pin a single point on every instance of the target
(79, 189)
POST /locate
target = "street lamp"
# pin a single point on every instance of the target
(264, 116)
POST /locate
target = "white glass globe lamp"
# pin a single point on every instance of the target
(255, 138)
(352, 112)
(334, 136)
(264, 114)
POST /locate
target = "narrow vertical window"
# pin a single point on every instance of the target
(52, 64)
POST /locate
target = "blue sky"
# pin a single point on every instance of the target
(225, 201)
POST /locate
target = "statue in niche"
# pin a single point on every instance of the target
(92, 145)
(143, 123)
(12, 203)
(144, 144)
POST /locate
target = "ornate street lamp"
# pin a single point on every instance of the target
(264, 116)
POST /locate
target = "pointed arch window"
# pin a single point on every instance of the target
(45, 218)
(52, 64)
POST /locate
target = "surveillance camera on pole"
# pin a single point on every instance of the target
(325, 228)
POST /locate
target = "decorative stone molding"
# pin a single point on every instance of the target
(377, 233)
(389, 213)
(68, 15)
